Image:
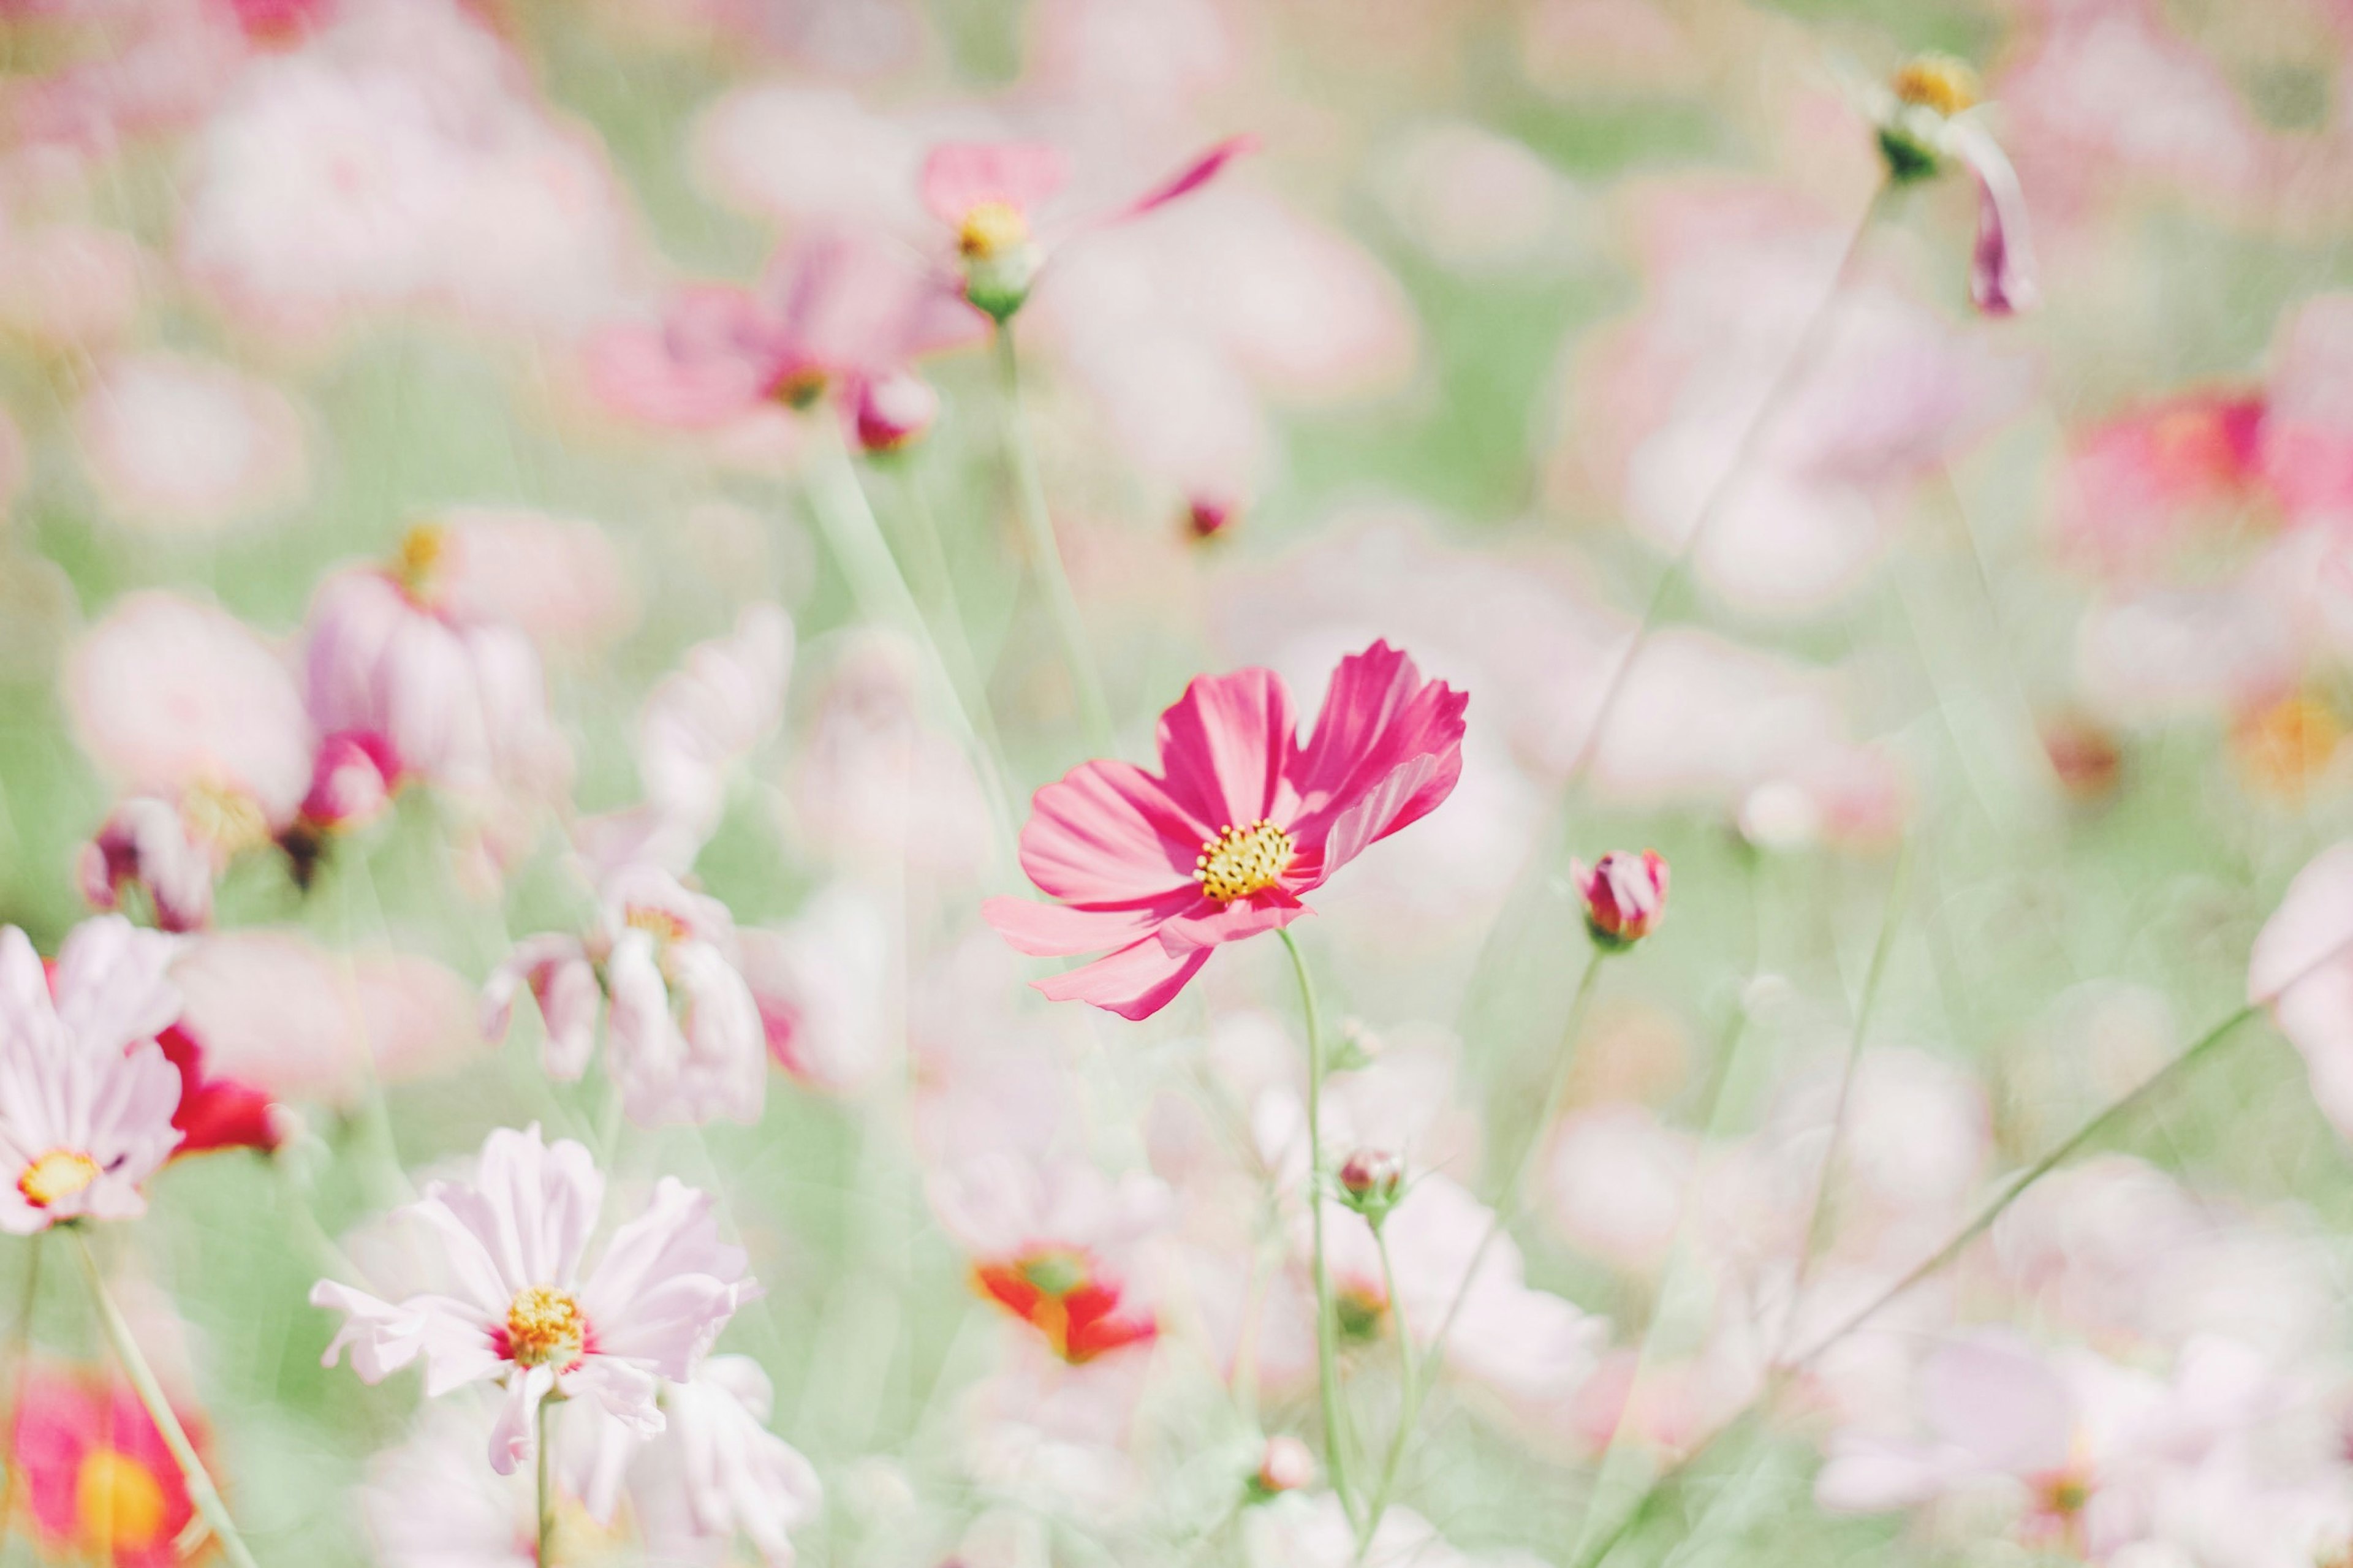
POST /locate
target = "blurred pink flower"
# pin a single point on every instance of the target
(1263, 818)
(1305, 1529)
(149, 846)
(1615, 1181)
(562, 581)
(823, 986)
(353, 781)
(2146, 483)
(86, 1094)
(528, 1316)
(717, 1470)
(2301, 967)
(273, 1009)
(458, 697)
(177, 444)
(96, 1474)
(69, 287)
(683, 1041)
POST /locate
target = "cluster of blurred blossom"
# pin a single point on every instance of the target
(597, 596)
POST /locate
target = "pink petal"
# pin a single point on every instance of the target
(2002, 266)
(1109, 833)
(1995, 1398)
(1058, 931)
(1223, 749)
(1209, 923)
(960, 175)
(1379, 716)
(1134, 983)
(1192, 177)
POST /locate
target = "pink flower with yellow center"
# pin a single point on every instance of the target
(99, 1482)
(87, 1096)
(1242, 819)
(522, 1309)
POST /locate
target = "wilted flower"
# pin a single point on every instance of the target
(86, 1094)
(1925, 117)
(1624, 896)
(522, 1311)
(1261, 816)
(989, 194)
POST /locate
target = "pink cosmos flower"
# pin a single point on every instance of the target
(989, 194)
(824, 988)
(87, 1096)
(1624, 896)
(459, 697)
(1241, 820)
(100, 1483)
(177, 444)
(1924, 116)
(523, 1310)
(682, 1040)
(2301, 967)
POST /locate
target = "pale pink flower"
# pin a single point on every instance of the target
(150, 844)
(683, 1036)
(276, 1010)
(811, 157)
(823, 986)
(1615, 1179)
(717, 1471)
(561, 580)
(698, 725)
(1479, 204)
(429, 1502)
(461, 698)
(86, 1094)
(177, 444)
(70, 286)
(1261, 817)
(1313, 1531)
(523, 1310)
(2307, 413)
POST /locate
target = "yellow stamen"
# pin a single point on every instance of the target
(117, 1502)
(545, 1326)
(657, 923)
(1240, 861)
(56, 1176)
(424, 551)
(2288, 745)
(225, 817)
(1939, 83)
(991, 229)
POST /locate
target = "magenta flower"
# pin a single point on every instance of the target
(1242, 819)
(1624, 896)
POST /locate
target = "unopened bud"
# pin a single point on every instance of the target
(1286, 1466)
(1372, 1176)
(1209, 517)
(894, 410)
(1624, 896)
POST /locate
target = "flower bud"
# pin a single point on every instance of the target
(893, 411)
(352, 781)
(1624, 896)
(1208, 517)
(1370, 1178)
(1286, 1467)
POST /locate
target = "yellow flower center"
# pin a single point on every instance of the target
(57, 1177)
(117, 1502)
(424, 551)
(1240, 861)
(991, 229)
(2286, 747)
(1939, 83)
(225, 817)
(545, 1326)
(658, 923)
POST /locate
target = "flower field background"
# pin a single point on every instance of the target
(1160, 782)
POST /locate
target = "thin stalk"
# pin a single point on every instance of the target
(201, 1491)
(856, 540)
(1506, 1201)
(543, 1555)
(964, 664)
(1818, 1220)
(2100, 1122)
(1046, 552)
(1327, 1322)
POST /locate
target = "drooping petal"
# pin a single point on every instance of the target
(1192, 176)
(1134, 983)
(1224, 747)
(514, 1437)
(2002, 264)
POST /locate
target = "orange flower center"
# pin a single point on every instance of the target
(990, 229)
(2285, 747)
(1240, 861)
(544, 1326)
(117, 1502)
(424, 551)
(56, 1176)
(1938, 81)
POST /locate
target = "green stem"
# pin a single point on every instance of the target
(201, 1491)
(1046, 554)
(1818, 1220)
(955, 639)
(1506, 1202)
(2100, 1122)
(546, 1488)
(1327, 1324)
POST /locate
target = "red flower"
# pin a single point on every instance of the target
(99, 1482)
(1065, 1296)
